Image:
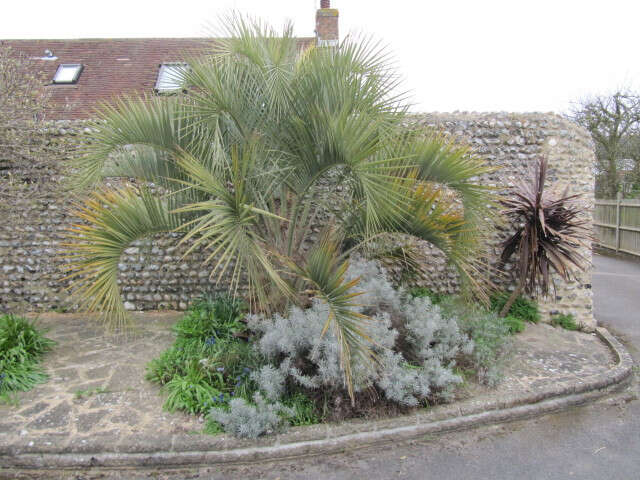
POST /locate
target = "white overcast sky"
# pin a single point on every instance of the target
(475, 55)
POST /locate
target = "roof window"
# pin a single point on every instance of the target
(67, 73)
(171, 77)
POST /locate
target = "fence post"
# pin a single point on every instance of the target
(618, 198)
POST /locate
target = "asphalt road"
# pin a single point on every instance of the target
(599, 441)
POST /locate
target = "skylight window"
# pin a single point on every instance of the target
(171, 77)
(67, 73)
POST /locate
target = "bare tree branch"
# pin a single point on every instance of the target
(612, 120)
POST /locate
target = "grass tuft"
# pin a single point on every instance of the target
(79, 394)
(515, 324)
(22, 345)
(304, 410)
(523, 308)
(566, 321)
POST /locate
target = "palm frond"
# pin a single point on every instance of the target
(111, 221)
(227, 225)
(324, 274)
(155, 122)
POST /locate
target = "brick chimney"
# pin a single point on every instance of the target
(327, 33)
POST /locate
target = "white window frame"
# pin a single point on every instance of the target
(78, 67)
(164, 82)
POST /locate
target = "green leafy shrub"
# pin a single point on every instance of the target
(22, 345)
(212, 317)
(522, 308)
(20, 377)
(564, 320)
(491, 339)
(194, 392)
(303, 410)
(210, 361)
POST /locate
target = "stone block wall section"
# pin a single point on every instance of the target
(34, 214)
(513, 143)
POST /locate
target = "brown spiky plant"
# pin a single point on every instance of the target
(549, 235)
(244, 159)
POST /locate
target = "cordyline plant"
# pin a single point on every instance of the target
(269, 143)
(549, 235)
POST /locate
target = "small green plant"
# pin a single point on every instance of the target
(211, 427)
(89, 392)
(22, 345)
(212, 317)
(11, 399)
(210, 361)
(420, 292)
(564, 320)
(515, 324)
(303, 408)
(522, 308)
(193, 392)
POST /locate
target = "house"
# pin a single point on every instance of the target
(83, 73)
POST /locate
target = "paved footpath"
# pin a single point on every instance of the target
(97, 398)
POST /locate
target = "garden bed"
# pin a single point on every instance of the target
(97, 399)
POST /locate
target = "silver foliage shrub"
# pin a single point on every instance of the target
(417, 344)
(432, 334)
(272, 381)
(379, 293)
(299, 335)
(250, 421)
(426, 370)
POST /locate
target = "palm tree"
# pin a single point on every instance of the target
(269, 142)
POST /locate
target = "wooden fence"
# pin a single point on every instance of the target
(617, 225)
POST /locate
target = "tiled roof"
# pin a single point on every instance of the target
(112, 67)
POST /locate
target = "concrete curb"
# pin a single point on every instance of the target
(555, 398)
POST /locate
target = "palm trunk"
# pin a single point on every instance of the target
(514, 295)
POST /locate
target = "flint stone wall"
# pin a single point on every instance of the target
(34, 214)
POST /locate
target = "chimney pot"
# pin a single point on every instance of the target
(325, 3)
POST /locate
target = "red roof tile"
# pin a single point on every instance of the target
(112, 67)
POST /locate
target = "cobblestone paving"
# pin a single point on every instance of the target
(96, 388)
(97, 399)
